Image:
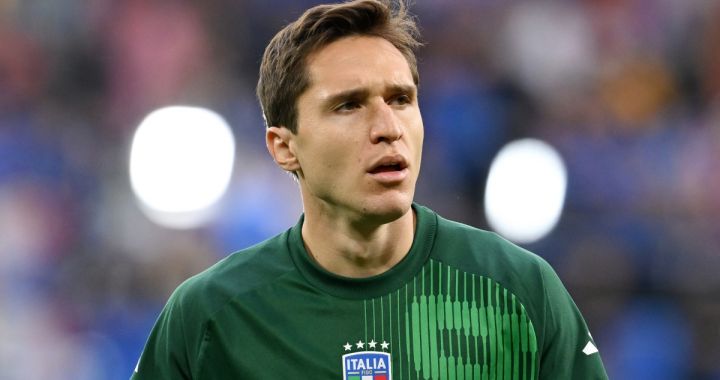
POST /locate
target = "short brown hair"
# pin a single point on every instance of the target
(283, 74)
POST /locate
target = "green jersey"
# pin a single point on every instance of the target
(462, 304)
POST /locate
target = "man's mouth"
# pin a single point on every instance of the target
(386, 168)
(394, 163)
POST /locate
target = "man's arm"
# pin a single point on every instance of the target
(569, 351)
(166, 354)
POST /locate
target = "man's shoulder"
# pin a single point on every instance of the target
(238, 273)
(484, 251)
(487, 254)
(486, 240)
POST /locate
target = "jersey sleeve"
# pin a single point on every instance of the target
(171, 349)
(568, 351)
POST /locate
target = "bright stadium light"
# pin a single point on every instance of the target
(181, 161)
(525, 190)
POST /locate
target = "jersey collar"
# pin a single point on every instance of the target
(369, 287)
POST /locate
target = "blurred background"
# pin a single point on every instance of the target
(625, 92)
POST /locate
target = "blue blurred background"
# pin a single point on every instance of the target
(628, 91)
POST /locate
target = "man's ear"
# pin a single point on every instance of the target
(279, 142)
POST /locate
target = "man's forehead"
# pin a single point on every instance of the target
(352, 44)
(358, 62)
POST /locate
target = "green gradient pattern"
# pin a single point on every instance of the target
(448, 324)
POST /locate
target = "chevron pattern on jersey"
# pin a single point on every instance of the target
(448, 324)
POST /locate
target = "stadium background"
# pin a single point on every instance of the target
(628, 91)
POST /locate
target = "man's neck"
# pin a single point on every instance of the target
(357, 249)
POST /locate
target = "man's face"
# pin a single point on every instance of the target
(360, 133)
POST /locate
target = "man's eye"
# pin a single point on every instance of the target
(401, 100)
(347, 106)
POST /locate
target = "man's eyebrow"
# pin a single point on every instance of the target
(357, 94)
(402, 89)
(352, 94)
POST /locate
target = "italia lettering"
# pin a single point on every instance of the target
(360, 364)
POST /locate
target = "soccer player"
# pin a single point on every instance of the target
(368, 284)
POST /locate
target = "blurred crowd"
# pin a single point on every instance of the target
(628, 91)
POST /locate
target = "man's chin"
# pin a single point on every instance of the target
(385, 211)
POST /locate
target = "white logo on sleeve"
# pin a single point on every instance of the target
(590, 347)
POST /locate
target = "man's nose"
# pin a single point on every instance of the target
(385, 125)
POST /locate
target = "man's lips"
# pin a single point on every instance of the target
(389, 170)
(389, 164)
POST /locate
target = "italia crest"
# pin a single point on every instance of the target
(367, 365)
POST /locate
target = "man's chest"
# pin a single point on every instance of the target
(473, 330)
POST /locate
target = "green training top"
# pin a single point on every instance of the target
(463, 304)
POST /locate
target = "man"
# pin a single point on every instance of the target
(367, 285)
